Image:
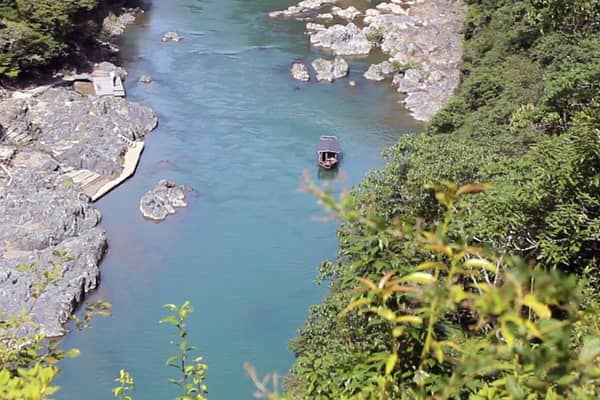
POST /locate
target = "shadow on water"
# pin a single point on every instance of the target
(327, 174)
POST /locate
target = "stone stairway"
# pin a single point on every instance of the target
(96, 185)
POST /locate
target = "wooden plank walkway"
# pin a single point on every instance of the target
(96, 185)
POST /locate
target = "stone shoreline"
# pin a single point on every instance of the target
(51, 243)
(421, 38)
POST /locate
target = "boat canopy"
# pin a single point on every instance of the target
(328, 144)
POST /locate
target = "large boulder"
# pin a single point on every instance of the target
(379, 72)
(300, 72)
(329, 71)
(324, 69)
(84, 132)
(342, 40)
(161, 201)
(340, 68)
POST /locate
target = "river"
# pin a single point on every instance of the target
(237, 129)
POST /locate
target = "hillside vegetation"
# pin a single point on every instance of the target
(526, 120)
(35, 33)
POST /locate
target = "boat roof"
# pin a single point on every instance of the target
(330, 144)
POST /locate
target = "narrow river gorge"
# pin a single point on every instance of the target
(235, 127)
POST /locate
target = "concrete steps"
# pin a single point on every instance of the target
(96, 185)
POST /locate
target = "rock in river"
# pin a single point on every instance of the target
(300, 72)
(172, 36)
(340, 68)
(330, 70)
(161, 201)
(145, 79)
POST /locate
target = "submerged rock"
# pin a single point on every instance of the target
(303, 9)
(172, 36)
(161, 201)
(145, 79)
(300, 72)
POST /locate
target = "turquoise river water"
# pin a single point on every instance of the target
(237, 129)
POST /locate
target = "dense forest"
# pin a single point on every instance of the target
(526, 121)
(36, 33)
(469, 267)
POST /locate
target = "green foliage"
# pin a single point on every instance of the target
(464, 322)
(375, 34)
(568, 15)
(192, 375)
(33, 33)
(34, 383)
(525, 118)
(126, 384)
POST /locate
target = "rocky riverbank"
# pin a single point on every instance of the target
(43, 213)
(51, 243)
(421, 38)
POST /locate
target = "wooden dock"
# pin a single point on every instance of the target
(95, 185)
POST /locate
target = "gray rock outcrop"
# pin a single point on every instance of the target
(330, 70)
(115, 25)
(161, 201)
(304, 9)
(342, 40)
(299, 72)
(340, 68)
(324, 69)
(379, 72)
(50, 241)
(349, 13)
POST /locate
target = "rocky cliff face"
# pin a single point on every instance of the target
(50, 241)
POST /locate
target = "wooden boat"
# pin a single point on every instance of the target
(328, 152)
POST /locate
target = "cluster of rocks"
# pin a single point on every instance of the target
(325, 70)
(115, 25)
(43, 214)
(162, 201)
(421, 38)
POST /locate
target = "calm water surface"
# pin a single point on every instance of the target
(235, 127)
